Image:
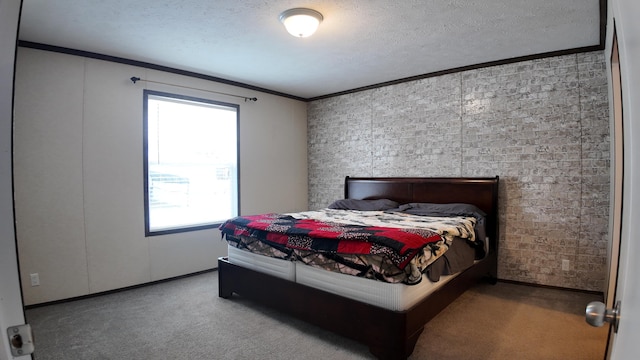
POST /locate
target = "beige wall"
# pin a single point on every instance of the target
(78, 174)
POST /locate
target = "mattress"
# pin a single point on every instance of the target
(391, 296)
(283, 269)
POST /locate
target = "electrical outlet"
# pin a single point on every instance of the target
(35, 279)
(565, 265)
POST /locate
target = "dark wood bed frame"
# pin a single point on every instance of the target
(389, 334)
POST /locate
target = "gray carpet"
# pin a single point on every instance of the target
(185, 319)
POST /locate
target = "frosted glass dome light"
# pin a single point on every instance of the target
(301, 22)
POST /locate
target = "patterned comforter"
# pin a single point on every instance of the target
(388, 246)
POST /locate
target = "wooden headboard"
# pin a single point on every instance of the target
(481, 192)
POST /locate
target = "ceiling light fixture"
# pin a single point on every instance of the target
(301, 22)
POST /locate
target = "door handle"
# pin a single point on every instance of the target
(597, 314)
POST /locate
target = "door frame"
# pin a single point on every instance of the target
(11, 303)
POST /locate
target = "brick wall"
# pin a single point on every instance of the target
(541, 125)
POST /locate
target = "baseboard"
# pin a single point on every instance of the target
(88, 296)
(592, 292)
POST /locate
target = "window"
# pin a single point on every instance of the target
(190, 162)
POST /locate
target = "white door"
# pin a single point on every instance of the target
(11, 308)
(624, 344)
(617, 166)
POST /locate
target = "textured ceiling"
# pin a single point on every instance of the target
(359, 43)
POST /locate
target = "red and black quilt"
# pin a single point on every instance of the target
(281, 230)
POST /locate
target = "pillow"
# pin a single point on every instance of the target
(452, 209)
(364, 205)
(431, 209)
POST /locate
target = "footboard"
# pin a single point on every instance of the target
(388, 334)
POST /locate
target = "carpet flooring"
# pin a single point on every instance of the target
(185, 319)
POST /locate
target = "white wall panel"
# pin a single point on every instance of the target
(117, 250)
(183, 253)
(48, 175)
(273, 156)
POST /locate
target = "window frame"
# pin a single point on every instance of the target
(145, 159)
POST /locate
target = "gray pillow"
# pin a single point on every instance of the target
(432, 209)
(452, 209)
(364, 205)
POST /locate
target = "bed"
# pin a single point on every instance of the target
(389, 333)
